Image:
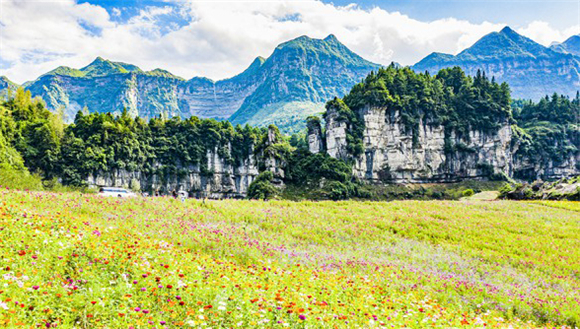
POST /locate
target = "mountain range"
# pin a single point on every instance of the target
(532, 70)
(294, 82)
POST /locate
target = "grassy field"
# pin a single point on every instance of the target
(82, 260)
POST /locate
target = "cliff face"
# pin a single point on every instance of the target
(391, 155)
(526, 168)
(219, 178)
(224, 180)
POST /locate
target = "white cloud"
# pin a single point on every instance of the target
(220, 38)
(544, 34)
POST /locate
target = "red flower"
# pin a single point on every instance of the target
(22, 252)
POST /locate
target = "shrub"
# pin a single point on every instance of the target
(336, 190)
(262, 187)
(19, 179)
(505, 190)
(469, 192)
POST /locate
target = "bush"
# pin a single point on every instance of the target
(505, 190)
(307, 167)
(262, 187)
(19, 179)
(469, 192)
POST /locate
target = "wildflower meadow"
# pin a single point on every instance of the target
(80, 260)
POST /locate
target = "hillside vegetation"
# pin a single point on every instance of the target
(35, 140)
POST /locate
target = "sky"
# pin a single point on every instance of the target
(219, 39)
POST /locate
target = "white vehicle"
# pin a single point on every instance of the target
(116, 192)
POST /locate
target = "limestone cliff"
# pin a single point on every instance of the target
(219, 178)
(392, 155)
(531, 169)
(223, 181)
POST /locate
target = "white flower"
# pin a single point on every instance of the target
(201, 317)
(222, 308)
(3, 305)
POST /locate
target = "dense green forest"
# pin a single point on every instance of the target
(35, 142)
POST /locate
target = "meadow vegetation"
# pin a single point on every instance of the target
(86, 261)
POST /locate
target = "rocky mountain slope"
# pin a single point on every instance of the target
(570, 46)
(302, 74)
(284, 89)
(6, 86)
(532, 70)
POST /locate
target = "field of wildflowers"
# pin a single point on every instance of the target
(86, 261)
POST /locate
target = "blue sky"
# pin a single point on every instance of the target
(558, 13)
(218, 39)
(516, 13)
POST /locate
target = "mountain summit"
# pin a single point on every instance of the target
(299, 77)
(531, 70)
(294, 82)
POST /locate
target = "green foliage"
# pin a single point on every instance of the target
(19, 179)
(467, 193)
(262, 187)
(27, 127)
(103, 143)
(34, 138)
(458, 102)
(550, 130)
(307, 168)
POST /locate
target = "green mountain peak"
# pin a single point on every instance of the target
(162, 73)
(101, 67)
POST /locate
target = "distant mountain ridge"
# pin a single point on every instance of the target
(570, 46)
(294, 82)
(532, 70)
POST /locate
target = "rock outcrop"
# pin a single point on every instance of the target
(315, 140)
(219, 179)
(391, 155)
(525, 168)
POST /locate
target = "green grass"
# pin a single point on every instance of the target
(85, 261)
